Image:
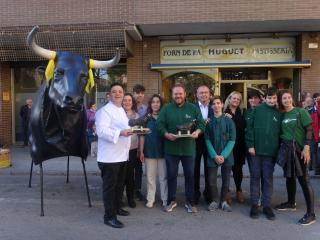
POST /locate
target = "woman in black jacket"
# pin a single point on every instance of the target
(233, 110)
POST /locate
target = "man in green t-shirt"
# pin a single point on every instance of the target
(176, 148)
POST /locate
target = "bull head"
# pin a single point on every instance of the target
(69, 74)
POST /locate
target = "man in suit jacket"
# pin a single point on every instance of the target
(203, 96)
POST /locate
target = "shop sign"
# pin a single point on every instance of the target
(219, 51)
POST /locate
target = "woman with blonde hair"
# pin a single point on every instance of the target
(233, 109)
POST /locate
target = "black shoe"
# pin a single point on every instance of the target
(140, 196)
(286, 206)
(131, 203)
(254, 212)
(122, 212)
(307, 219)
(113, 222)
(269, 213)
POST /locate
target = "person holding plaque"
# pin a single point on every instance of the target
(180, 123)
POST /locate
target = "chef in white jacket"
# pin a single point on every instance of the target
(113, 150)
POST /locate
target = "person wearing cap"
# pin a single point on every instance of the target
(262, 140)
(254, 100)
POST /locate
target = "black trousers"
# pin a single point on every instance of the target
(137, 174)
(237, 175)
(306, 188)
(25, 127)
(113, 176)
(201, 150)
(129, 179)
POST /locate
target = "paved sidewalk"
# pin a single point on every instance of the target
(21, 161)
(67, 215)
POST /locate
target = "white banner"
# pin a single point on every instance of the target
(236, 51)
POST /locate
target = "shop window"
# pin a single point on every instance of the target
(244, 74)
(191, 81)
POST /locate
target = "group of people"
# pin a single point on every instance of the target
(223, 134)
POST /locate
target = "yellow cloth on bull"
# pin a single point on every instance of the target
(90, 83)
(50, 67)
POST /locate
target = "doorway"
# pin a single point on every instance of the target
(227, 88)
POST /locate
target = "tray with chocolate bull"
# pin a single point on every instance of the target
(138, 126)
(184, 130)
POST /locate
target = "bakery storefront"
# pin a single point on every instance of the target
(230, 65)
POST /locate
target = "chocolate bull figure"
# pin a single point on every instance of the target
(58, 117)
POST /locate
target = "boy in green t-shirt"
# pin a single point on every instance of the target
(262, 140)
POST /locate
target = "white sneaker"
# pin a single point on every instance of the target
(149, 204)
(212, 206)
(190, 208)
(226, 207)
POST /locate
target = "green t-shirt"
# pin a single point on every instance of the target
(291, 128)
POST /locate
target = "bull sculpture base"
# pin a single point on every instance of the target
(67, 181)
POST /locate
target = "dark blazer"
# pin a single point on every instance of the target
(239, 150)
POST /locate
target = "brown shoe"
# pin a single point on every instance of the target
(228, 198)
(240, 197)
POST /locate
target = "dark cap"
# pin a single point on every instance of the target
(253, 93)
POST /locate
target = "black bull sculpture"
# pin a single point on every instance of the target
(58, 118)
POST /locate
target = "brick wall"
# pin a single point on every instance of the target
(168, 11)
(5, 106)
(138, 67)
(32, 12)
(26, 13)
(310, 77)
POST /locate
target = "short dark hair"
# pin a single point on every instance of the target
(315, 95)
(134, 102)
(116, 84)
(178, 85)
(216, 97)
(91, 104)
(271, 91)
(138, 88)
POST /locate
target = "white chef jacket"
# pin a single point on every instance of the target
(110, 120)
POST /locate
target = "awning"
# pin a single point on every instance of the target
(295, 64)
(97, 41)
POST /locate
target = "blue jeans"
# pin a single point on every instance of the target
(172, 162)
(261, 167)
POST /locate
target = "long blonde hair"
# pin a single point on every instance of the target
(227, 102)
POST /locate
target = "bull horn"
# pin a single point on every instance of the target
(107, 64)
(42, 52)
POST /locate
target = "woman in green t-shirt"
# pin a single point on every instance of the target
(296, 135)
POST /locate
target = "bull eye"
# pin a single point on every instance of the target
(58, 73)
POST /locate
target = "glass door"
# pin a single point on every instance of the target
(244, 81)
